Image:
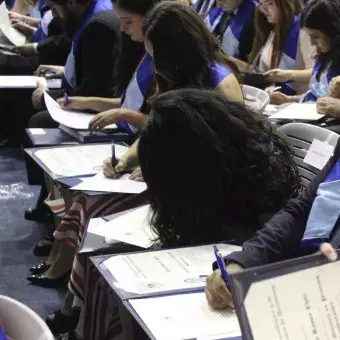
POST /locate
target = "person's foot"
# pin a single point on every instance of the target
(60, 323)
(38, 213)
(40, 268)
(44, 246)
(44, 281)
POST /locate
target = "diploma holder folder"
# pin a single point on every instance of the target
(85, 136)
(98, 262)
(67, 181)
(241, 282)
(124, 295)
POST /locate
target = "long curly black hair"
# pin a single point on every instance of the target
(211, 165)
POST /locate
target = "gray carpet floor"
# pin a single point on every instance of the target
(18, 236)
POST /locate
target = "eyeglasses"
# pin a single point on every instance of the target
(265, 5)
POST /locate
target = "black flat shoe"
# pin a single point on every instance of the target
(44, 246)
(43, 281)
(40, 268)
(38, 213)
(60, 323)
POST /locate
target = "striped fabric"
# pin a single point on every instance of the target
(99, 318)
(75, 217)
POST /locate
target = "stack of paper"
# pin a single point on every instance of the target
(298, 112)
(74, 161)
(132, 228)
(72, 119)
(15, 37)
(102, 184)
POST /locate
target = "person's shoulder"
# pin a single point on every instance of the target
(104, 18)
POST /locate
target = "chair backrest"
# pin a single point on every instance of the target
(261, 96)
(300, 136)
(21, 322)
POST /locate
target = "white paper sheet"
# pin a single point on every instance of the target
(94, 224)
(300, 305)
(186, 316)
(298, 112)
(132, 228)
(14, 36)
(165, 270)
(77, 160)
(37, 131)
(72, 119)
(271, 109)
(101, 183)
(23, 82)
(54, 83)
(319, 154)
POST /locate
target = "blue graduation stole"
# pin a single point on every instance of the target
(231, 37)
(3, 336)
(325, 212)
(202, 7)
(213, 18)
(288, 58)
(39, 33)
(133, 97)
(319, 89)
(218, 73)
(96, 6)
(42, 30)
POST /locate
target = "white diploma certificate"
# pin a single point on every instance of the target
(185, 316)
(165, 270)
(74, 161)
(303, 305)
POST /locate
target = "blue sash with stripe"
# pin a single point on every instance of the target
(319, 89)
(214, 17)
(134, 96)
(231, 37)
(325, 211)
(218, 73)
(288, 59)
(96, 6)
(42, 30)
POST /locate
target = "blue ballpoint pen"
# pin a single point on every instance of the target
(221, 265)
(67, 99)
(46, 72)
(113, 157)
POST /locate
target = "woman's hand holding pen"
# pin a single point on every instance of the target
(75, 103)
(113, 170)
(122, 166)
(216, 290)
